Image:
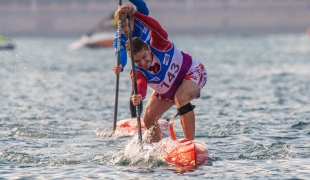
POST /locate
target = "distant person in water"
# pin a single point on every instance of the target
(175, 76)
(138, 30)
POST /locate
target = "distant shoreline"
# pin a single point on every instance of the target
(231, 17)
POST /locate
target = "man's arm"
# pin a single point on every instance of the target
(141, 83)
(159, 37)
(123, 53)
(140, 6)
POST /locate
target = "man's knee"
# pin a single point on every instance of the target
(185, 109)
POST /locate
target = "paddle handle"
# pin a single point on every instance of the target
(134, 77)
(118, 62)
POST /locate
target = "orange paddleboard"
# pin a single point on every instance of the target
(184, 152)
(180, 152)
(130, 126)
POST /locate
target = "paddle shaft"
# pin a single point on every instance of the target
(134, 77)
(118, 62)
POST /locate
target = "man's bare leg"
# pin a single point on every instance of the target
(187, 91)
(155, 108)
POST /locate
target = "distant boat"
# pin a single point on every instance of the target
(100, 37)
(6, 43)
(96, 40)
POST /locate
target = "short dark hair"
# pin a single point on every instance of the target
(137, 44)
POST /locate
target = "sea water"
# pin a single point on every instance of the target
(253, 113)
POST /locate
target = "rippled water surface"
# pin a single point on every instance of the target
(253, 114)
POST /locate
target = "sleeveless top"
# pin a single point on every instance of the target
(174, 65)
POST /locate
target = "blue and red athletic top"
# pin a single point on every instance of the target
(169, 66)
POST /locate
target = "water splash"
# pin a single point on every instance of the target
(137, 154)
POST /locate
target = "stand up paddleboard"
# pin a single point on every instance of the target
(180, 152)
(184, 152)
(128, 127)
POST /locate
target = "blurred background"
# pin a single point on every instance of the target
(229, 17)
(57, 106)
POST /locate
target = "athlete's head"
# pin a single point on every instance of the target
(124, 25)
(142, 53)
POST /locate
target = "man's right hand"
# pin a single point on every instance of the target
(136, 99)
(128, 9)
(117, 69)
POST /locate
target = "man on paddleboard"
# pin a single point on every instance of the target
(175, 76)
(139, 30)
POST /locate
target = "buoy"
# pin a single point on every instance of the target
(184, 152)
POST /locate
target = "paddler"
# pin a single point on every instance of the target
(175, 76)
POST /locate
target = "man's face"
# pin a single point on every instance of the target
(143, 58)
(124, 27)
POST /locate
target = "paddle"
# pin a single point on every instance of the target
(134, 78)
(118, 62)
